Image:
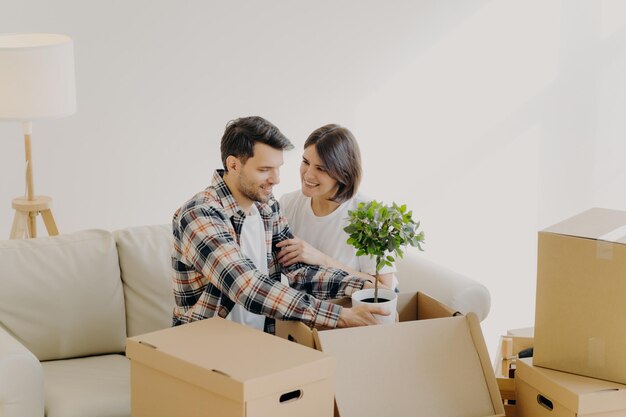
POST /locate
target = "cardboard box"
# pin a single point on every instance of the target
(581, 293)
(217, 368)
(430, 367)
(524, 332)
(545, 392)
(504, 365)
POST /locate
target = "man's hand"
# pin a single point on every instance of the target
(362, 315)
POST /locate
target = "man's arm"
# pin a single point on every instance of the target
(322, 282)
(207, 243)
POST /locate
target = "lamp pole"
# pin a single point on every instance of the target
(27, 127)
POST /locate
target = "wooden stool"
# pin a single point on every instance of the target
(25, 220)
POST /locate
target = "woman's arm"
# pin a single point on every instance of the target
(297, 250)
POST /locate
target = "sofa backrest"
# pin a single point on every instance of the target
(145, 263)
(62, 296)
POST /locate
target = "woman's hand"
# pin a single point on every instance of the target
(297, 250)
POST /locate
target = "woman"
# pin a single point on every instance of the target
(330, 174)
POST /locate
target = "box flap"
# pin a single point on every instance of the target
(421, 306)
(581, 395)
(433, 366)
(232, 360)
(595, 223)
(483, 357)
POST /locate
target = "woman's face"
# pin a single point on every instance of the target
(316, 183)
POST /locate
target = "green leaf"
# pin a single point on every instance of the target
(380, 265)
(375, 229)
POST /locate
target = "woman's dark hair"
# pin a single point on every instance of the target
(339, 151)
(241, 135)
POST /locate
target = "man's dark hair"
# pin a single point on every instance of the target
(339, 151)
(241, 135)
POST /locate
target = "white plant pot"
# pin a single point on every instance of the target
(390, 306)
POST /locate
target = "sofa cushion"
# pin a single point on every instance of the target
(21, 379)
(98, 386)
(145, 263)
(62, 296)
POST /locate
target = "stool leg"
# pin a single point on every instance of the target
(20, 224)
(32, 224)
(48, 220)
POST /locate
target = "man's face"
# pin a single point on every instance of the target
(260, 173)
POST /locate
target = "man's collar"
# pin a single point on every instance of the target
(228, 200)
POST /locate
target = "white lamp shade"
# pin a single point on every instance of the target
(36, 76)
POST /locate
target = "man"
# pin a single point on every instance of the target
(225, 257)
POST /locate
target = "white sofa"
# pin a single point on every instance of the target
(67, 304)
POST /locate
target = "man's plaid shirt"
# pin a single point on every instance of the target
(210, 270)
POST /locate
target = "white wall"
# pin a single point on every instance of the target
(491, 119)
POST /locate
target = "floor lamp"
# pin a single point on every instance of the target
(36, 82)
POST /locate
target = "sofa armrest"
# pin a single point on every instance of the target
(21, 379)
(457, 291)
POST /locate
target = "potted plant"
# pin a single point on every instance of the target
(381, 231)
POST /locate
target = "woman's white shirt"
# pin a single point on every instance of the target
(326, 233)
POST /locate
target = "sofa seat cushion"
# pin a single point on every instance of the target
(96, 386)
(145, 254)
(62, 296)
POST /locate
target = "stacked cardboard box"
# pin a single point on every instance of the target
(581, 293)
(579, 317)
(433, 363)
(543, 392)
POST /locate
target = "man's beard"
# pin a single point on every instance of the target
(251, 191)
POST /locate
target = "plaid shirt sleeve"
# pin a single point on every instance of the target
(322, 282)
(207, 243)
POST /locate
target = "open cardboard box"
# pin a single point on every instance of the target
(410, 306)
(433, 363)
(581, 288)
(545, 392)
(217, 368)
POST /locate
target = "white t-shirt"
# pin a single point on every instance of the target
(252, 241)
(326, 233)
